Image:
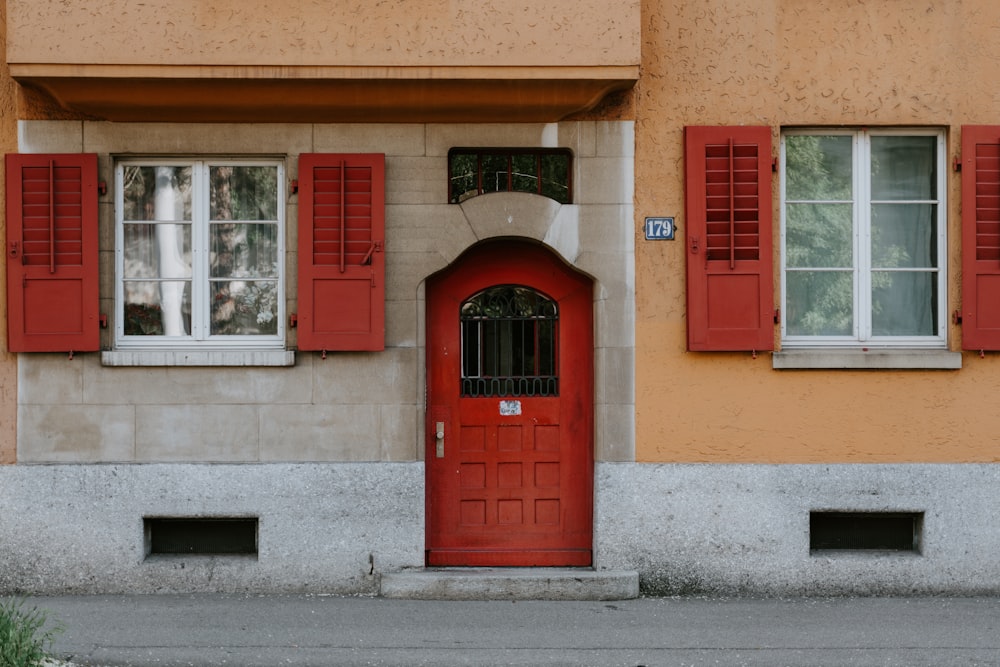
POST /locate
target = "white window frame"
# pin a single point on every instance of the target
(862, 337)
(199, 339)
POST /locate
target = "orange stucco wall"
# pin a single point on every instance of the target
(782, 63)
(345, 33)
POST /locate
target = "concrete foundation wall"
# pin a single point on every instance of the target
(322, 528)
(337, 527)
(744, 529)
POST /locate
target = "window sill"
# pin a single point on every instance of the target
(896, 359)
(865, 553)
(198, 358)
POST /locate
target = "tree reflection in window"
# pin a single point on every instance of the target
(479, 171)
(200, 250)
(509, 343)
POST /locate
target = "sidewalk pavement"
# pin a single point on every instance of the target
(311, 630)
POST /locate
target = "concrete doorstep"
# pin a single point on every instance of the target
(510, 584)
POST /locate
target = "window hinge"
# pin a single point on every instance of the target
(956, 164)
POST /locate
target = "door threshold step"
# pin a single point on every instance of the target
(513, 583)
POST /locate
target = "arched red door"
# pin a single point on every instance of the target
(509, 456)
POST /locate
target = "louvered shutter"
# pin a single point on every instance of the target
(52, 253)
(981, 237)
(730, 300)
(340, 252)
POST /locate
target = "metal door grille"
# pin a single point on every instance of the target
(509, 343)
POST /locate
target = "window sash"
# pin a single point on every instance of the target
(201, 282)
(863, 275)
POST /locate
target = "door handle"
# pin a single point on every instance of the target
(439, 439)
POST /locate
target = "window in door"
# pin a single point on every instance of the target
(199, 254)
(863, 238)
(509, 343)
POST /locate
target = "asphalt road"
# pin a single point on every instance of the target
(308, 630)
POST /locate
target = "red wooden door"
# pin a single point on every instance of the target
(509, 455)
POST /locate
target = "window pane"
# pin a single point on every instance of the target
(157, 193)
(243, 193)
(555, 177)
(464, 176)
(244, 250)
(157, 251)
(818, 167)
(525, 176)
(904, 303)
(904, 167)
(819, 235)
(819, 303)
(494, 173)
(904, 235)
(244, 308)
(157, 308)
(547, 347)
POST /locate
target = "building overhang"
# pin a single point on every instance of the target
(216, 93)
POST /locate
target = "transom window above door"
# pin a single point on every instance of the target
(199, 253)
(509, 343)
(863, 238)
(478, 171)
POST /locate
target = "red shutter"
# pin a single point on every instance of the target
(980, 237)
(730, 295)
(341, 258)
(52, 253)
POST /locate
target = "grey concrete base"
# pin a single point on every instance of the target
(510, 584)
(358, 528)
(322, 528)
(739, 530)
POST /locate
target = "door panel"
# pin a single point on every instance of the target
(510, 479)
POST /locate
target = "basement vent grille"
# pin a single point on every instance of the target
(201, 536)
(865, 531)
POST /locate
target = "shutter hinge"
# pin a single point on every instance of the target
(293, 186)
(103, 319)
(293, 320)
(102, 188)
(774, 165)
(956, 164)
(777, 315)
(956, 317)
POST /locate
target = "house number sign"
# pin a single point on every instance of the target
(660, 229)
(510, 408)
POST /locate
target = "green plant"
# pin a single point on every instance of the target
(24, 640)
